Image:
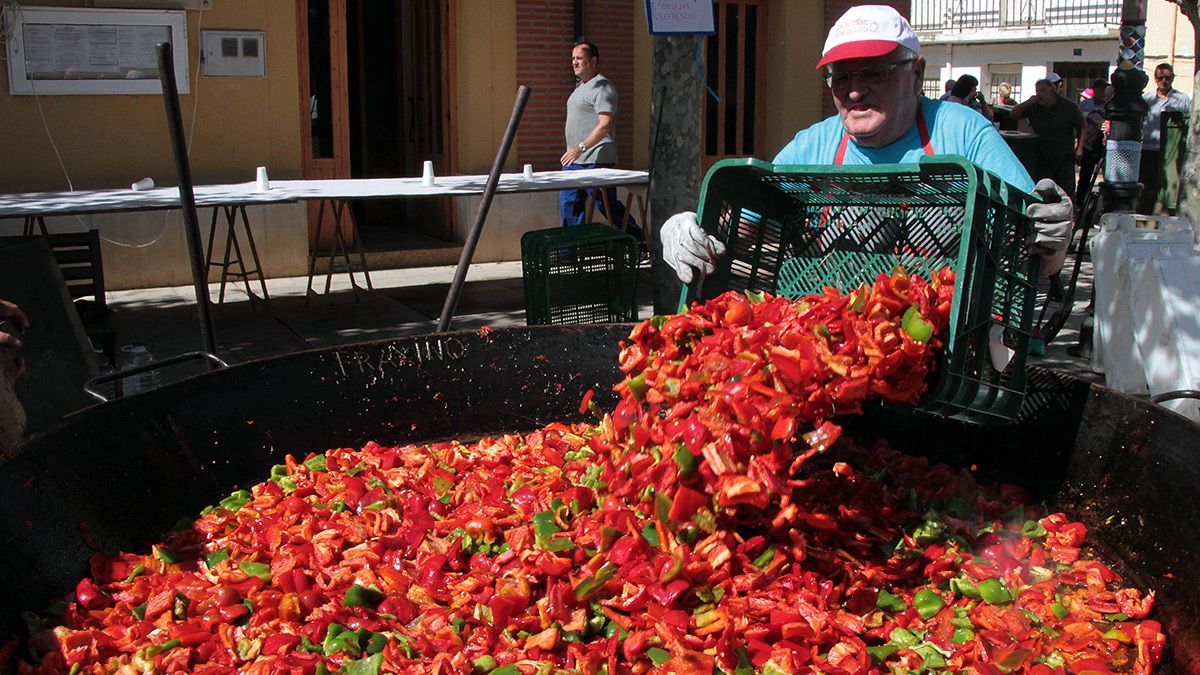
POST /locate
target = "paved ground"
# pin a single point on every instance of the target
(404, 302)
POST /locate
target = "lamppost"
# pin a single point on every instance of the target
(1126, 110)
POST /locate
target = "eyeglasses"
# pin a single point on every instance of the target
(872, 75)
(1168, 78)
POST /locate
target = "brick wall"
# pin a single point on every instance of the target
(833, 10)
(545, 33)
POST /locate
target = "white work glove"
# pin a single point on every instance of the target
(1052, 223)
(686, 246)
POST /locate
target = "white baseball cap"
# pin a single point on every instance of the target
(1054, 78)
(867, 31)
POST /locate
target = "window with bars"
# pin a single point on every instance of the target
(998, 75)
(732, 102)
(933, 87)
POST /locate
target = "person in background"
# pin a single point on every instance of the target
(1059, 126)
(949, 86)
(1004, 96)
(591, 110)
(13, 324)
(1091, 143)
(966, 92)
(1056, 80)
(1159, 196)
(874, 70)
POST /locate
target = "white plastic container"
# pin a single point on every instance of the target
(1122, 237)
(1165, 298)
(138, 355)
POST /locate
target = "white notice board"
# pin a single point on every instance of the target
(680, 17)
(57, 50)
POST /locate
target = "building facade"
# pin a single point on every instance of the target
(359, 88)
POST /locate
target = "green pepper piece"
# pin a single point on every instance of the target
(963, 586)
(905, 637)
(168, 556)
(256, 569)
(658, 656)
(890, 602)
(765, 557)
(927, 603)
(506, 670)
(650, 534)
(1060, 610)
(637, 386)
(235, 501)
(377, 641)
(485, 663)
(216, 556)
(915, 325)
(1119, 616)
(587, 587)
(1118, 635)
(962, 635)
(932, 657)
(362, 596)
(879, 654)
(135, 573)
(994, 592)
(1033, 529)
(316, 463)
(139, 612)
(367, 666)
(608, 536)
(686, 461)
(154, 650)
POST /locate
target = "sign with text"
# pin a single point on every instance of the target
(680, 17)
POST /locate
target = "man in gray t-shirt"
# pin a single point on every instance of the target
(590, 136)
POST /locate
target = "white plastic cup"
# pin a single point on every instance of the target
(427, 173)
(261, 183)
(528, 173)
(143, 184)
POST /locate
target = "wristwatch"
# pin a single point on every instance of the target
(582, 148)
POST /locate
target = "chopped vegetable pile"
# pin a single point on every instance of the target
(713, 521)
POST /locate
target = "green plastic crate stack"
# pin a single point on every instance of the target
(579, 274)
(792, 230)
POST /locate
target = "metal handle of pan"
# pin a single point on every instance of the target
(90, 385)
(1172, 395)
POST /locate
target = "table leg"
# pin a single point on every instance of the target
(312, 253)
(339, 208)
(262, 279)
(228, 247)
(607, 207)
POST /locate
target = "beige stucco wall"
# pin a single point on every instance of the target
(1170, 38)
(793, 86)
(111, 141)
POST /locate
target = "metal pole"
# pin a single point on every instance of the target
(489, 191)
(187, 198)
(1127, 112)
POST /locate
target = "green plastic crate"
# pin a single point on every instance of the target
(579, 274)
(793, 229)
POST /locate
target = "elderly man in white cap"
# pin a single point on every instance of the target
(874, 68)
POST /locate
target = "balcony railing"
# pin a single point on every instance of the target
(959, 15)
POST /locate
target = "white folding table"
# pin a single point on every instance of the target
(336, 193)
(232, 200)
(229, 199)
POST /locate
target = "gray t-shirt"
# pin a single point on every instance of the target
(589, 99)
(1176, 101)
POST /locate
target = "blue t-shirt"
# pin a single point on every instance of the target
(953, 130)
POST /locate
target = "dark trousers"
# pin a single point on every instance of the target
(572, 204)
(1087, 178)
(1059, 169)
(1150, 176)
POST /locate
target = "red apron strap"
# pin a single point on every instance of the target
(922, 130)
(841, 151)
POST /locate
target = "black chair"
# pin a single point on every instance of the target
(78, 258)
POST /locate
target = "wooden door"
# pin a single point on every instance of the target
(733, 110)
(325, 141)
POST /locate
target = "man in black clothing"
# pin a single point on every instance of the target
(1059, 126)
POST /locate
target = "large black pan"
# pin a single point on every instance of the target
(116, 475)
